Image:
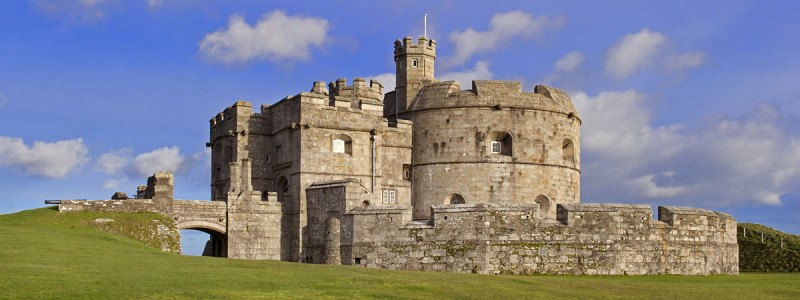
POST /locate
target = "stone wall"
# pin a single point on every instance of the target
(609, 239)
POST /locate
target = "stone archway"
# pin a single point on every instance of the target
(217, 244)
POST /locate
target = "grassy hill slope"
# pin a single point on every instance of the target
(45, 254)
(760, 249)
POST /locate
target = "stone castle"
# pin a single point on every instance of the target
(429, 176)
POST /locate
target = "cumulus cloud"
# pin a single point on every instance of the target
(633, 52)
(161, 159)
(732, 161)
(276, 36)
(479, 72)
(53, 160)
(569, 62)
(636, 51)
(618, 127)
(82, 10)
(645, 186)
(503, 27)
(115, 161)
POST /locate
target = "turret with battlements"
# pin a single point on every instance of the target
(414, 64)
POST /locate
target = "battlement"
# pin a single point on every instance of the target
(229, 113)
(359, 88)
(423, 46)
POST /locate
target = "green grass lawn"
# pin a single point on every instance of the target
(45, 254)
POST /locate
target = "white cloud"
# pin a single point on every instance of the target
(54, 160)
(479, 72)
(633, 52)
(769, 198)
(161, 159)
(748, 160)
(82, 10)
(275, 36)
(502, 28)
(569, 62)
(388, 80)
(115, 161)
(3, 100)
(616, 126)
(688, 60)
(645, 186)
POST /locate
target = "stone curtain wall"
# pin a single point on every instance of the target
(585, 239)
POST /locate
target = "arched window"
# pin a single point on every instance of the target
(342, 143)
(455, 199)
(282, 187)
(568, 151)
(499, 143)
(544, 205)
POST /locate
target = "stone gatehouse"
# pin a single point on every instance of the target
(429, 176)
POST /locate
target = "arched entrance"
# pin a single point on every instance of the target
(202, 238)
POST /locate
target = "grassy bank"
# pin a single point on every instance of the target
(50, 255)
(763, 249)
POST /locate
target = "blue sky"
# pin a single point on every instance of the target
(692, 103)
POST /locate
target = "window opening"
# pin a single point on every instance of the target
(568, 151)
(342, 144)
(389, 196)
(414, 63)
(338, 146)
(499, 142)
(496, 147)
(457, 199)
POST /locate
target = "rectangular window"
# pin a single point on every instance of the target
(389, 196)
(414, 63)
(338, 146)
(496, 147)
(407, 172)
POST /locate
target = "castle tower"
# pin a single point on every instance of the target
(414, 68)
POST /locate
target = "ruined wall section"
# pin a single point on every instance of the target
(159, 194)
(585, 239)
(538, 133)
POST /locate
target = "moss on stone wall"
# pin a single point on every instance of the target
(153, 229)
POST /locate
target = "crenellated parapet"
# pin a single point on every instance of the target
(358, 95)
(423, 45)
(610, 239)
